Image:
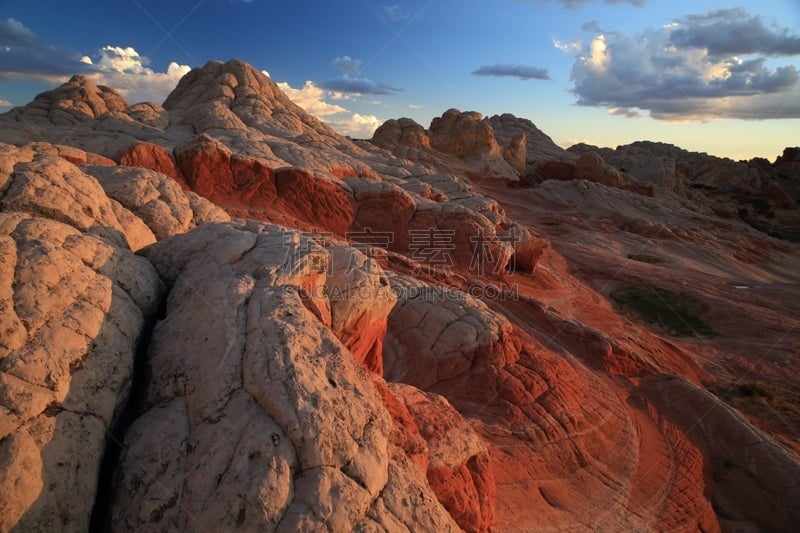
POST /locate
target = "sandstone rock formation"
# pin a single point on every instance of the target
(291, 434)
(538, 145)
(73, 309)
(764, 195)
(384, 339)
(591, 167)
(458, 464)
(152, 156)
(156, 199)
(37, 181)
(461, 142)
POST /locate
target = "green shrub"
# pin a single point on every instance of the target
(777, 231)
(646, 258)
(678, 314)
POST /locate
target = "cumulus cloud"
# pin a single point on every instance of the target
(23, 57)
(347, 65)
(128, 72)
(311, 98)
(521, 72)
(347, 84)
(675, 78)
(5, 103)
(575, 4)
(734, 32)
(357, 125)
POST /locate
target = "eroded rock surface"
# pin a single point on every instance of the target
(292, 428)
(156, 199)
(36, 180)
(72, 309)
(517, 394)
(457, 141)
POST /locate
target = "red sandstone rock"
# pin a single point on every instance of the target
(154, 157)
(459, 469)
(326, 204)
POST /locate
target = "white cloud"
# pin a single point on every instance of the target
(266, 73)
(357, 125)
(623, 112)
(680, 72)
(5, 103)
(572, 141)
(598, 54)
(575, 4)
(396, 13)
(570, 47)
(128, 72)
(311, 99)
(336, 95)
(415, 106)
(122, 59)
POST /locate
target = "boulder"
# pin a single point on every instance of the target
(360, 300)
(153, 157)
(37, 181)
(156, 199)
(459, 469)
(72, 307)
(292, 434)
(436, 334)
(591, 167)
(456, 141)
(538, 145)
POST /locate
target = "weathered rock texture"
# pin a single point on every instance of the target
(385, 339)
(291, 434)
(72, 309)
(764, 195)
(466, 142)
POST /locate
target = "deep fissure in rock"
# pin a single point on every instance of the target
(115, 437)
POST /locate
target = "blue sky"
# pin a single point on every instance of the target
(706, 75)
